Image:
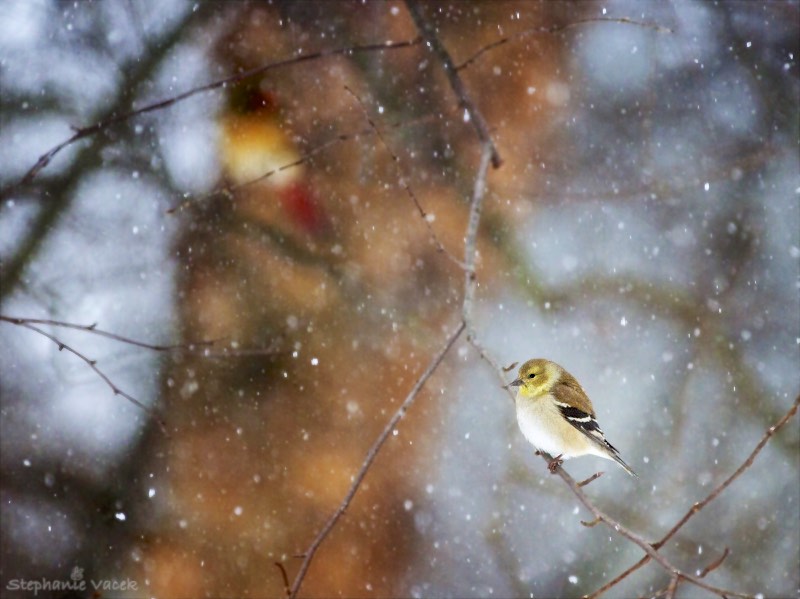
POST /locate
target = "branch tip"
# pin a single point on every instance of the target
(593, 477)
(591, 523)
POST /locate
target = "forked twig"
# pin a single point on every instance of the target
(669, 591)
(93, 365)
(701, 504)
(192, 347)
(674, 581)
(642, 543)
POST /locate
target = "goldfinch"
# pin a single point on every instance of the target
(555, 415)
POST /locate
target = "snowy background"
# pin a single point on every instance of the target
(644, 233)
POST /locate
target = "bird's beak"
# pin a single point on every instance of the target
(516, 383)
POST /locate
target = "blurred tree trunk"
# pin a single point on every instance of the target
(329, 268)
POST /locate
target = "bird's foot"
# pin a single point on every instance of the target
(555, 463)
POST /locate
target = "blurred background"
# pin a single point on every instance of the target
(643, 231)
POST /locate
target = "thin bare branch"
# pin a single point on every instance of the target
(428, 32)
(556, 29)
(194, 347)
(84, 132)
(404, 183)
(737, 473)
(92, 328)
(93, 365)
(642, 543)
(701, 504)
(230, 189)
(308, 556)
(494, 364)
(615, 581)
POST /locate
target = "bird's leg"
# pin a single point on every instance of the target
(555, 463)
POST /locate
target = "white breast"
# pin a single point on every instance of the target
(543, 425)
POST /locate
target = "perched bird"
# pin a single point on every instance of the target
(555, 414)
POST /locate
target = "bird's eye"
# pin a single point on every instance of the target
(531, 375)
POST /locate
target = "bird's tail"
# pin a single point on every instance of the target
(618, 460)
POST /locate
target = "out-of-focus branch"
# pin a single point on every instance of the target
(93, 365)
(701, 504)
(285, 578)
(115, 119)
(428, 32)
(308, 556)
(228, 190)
(672, 587)
(404, 183)
(557, 29)
(50, 212)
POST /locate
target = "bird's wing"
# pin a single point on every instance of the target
(567, 399)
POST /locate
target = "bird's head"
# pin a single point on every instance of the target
(536, 377)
